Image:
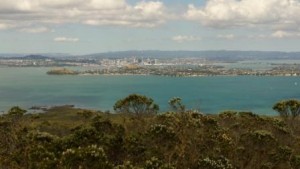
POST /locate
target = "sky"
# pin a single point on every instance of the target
(93, 26)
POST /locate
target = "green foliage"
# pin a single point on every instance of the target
(215, 163)
(155, 163)
(42, 137)
(175, 104)
(262, 136)
(228, 114)
(288, 108)
(137, 104)
(16, 111)
(135, 148)
(162, 132)
(91, 156)
(84, 136)
(60, 138)
(267, 165)
(40, 157)
(282, 154)
(126, 165)
(295, 162)
(86, 114)
(280, 126)
(248, 115)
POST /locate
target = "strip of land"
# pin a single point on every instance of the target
(183, 71)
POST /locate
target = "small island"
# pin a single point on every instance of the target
(62, 71)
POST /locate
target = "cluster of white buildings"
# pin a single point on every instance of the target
(128, 61)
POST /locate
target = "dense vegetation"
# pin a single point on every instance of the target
(63, 71)
(137, 137)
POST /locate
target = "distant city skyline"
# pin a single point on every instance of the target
(93, 26)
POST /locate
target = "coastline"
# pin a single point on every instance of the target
(175, 72)
(212, 75)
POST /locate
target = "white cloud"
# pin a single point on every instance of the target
(226, 36)
(259, 36)
(4, 26)
(284, 34)
(16, 5)
(143, 14)
(92, 12)
(65, 39)
(275, 14)
(36, 30)
(184, 38)
(281, 34)
(107, 4)
(57, 3)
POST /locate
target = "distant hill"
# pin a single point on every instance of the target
(216, 55)
(223, 55)
(28, 57)
(35, 57)
(43, 55)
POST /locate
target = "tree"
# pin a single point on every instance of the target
(136, 104)
(288, 108)
(176, 104)
(16, 111)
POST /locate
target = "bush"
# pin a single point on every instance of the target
(215, 163)
(155, 163)
(85, 157)
(295, 162)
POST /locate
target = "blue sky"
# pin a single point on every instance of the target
(91, 26)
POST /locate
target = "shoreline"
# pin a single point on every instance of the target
(174, 72)
(128, 74)
(45, 108)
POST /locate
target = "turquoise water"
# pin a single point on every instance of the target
(28, 87)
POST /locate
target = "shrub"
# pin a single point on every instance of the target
(295, 162)
(155, 163)
(85, 157)
(215, 163)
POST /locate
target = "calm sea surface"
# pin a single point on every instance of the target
(28, 87)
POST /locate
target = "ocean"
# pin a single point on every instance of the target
(27, 87)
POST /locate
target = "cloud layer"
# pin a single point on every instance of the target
(41, 29)
(65, 39)
(284, 34)
(24, 13)
(185, 38)
(281, 17)
(275, 14)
